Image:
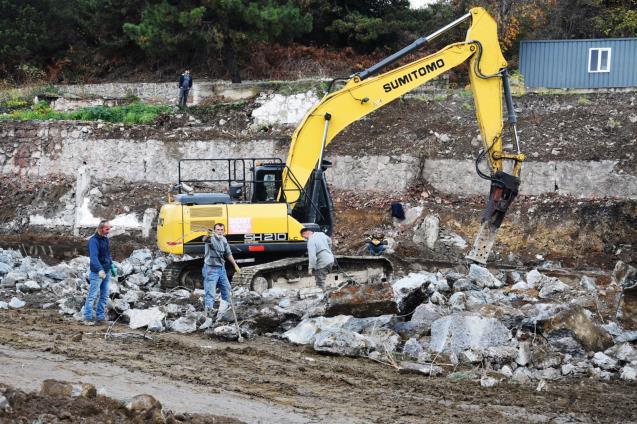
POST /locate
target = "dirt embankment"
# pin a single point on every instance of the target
(321, 388)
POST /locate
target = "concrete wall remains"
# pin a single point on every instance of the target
(46, 148)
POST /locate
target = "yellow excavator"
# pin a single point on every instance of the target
(266, 202)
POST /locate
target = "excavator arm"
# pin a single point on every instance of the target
(364, 93)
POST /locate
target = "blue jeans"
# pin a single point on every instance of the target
(375, 250)
(97, 284)
(212, 275)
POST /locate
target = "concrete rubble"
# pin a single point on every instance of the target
(527, 327)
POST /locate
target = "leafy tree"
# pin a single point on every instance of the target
(193, 29)
(619, 19)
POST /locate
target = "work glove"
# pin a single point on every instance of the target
(102, 274)
(237, 269)
(113, 270)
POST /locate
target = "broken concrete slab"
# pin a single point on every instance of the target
(461, 331)
(483, 277)
(629, 373)
(411, 291)
(343, 342)
(432, 370)
(64, 389)
(16, 303)
(362, 300)
(185, 325)
(604, 361)
(139, 318)
(576, 321)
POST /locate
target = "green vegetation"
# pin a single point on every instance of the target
(614, 123)
(583, 101)
(134, 113)
(71, 40)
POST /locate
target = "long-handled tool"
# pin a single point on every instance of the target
(234, 314)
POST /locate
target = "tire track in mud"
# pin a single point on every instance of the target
(327, 388)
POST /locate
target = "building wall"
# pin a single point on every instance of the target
(564, 63)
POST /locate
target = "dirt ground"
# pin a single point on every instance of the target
(319, 388)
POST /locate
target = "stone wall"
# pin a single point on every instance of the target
(45, 148)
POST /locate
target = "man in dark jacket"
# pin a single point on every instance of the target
(185, 84)
(99, 251)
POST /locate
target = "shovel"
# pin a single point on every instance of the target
(234, 314)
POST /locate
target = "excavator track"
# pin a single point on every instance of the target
(289, 273)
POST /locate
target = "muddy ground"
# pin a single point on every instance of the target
(317, 388)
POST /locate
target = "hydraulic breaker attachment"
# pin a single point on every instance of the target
(504, 188)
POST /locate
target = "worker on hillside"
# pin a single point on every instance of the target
(216, 252)
(376, 243)
(185, 84)
(319, 250)
(101, 267)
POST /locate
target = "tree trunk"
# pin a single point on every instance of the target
(230, 60)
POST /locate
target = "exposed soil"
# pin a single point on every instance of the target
(324, 388)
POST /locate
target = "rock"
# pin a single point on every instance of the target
(427, 232)
(4, 305)
(119, 305)
(588, 284)
(305, 332)
(534, 278)
(488, 381)
(500, 355)
(63, 389)
(139, 318)
(132, 296)
(5, 406)
(12, 278)
(16, 303)
(550, 286)
(412, 348)
(343, 342)
(578, 369)
(604, 361)
(362, 300)
(461, 331)
(61, 272)
(416, 368)
(140, 256)
(458, 302)
(147, 408)
(629, 373)
(566, 344)
(5, 268)
(522, 375)
(184, 325)
(70, 305)
(411, 291)
(624, 352)
(600, 373)
(575, 321)
(225, 332)
(28, 286)
(156, 326)
(172, 310)
(624, 275)
(469, 356)
(548, 374)
(524, 355)
(464, 284)
(483, 277)
(619, 334)
(544, 358)
(424, 315)
(506, 371)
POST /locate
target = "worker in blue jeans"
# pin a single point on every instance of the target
(217, 251)
(101, 265)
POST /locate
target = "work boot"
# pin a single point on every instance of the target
(88, 322)
(223, 308)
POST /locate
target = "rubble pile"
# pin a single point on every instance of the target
(528, 327)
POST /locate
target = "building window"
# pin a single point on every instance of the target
(599, 60)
